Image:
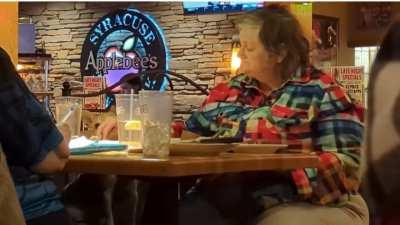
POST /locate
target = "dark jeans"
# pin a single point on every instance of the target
(228, 199)
(219, 200)
(56, 218)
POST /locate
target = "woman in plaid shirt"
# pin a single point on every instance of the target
(280, 98)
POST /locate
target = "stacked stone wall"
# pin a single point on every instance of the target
(199, 45)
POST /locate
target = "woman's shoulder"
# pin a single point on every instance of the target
(330, 91)
(238, 88)
(316, 84)
(238, 82)
(313, 77)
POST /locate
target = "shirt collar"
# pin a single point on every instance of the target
(300, 76)
(242, 80)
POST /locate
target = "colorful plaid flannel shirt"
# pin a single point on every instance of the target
(311, 111)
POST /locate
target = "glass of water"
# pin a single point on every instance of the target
(156, 110)
(69, 113)
(129, 120)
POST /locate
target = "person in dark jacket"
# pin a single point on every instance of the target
(35, 148)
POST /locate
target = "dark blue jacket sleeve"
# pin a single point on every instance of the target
(27, 132)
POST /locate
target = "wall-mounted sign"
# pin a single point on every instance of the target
(352, 79)
(93, 84)
(374, 15)
(122, 42)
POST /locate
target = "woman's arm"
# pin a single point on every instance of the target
(222, 111)
(337, 136)
(337, 140)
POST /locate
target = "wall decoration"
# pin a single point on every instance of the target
(352, 79)
(93, 84)
(122, 42)
(373, 15)
(325, 41)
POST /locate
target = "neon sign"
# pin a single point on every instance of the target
(125, 41)
(125, 19)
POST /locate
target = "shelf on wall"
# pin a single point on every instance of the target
(43, 93)
(36, 67)
(34, 55)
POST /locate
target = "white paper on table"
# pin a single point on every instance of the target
(81, 142)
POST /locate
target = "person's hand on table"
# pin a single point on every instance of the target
(108, 129)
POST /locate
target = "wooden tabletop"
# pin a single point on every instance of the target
(179, 166)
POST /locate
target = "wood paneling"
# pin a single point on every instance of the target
(9, 32)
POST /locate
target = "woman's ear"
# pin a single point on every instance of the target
(282, 55)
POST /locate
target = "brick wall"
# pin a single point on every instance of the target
(200, 45)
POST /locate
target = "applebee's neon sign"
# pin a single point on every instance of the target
(113, 61)
(124, 40)
(128, 19)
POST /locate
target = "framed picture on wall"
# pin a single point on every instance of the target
(374, 15)
(325, 41)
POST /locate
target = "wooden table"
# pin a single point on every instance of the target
(180, 166)
(166, 175)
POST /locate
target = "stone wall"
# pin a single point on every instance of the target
(199, 45)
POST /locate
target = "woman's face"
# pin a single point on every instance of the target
(256, 61)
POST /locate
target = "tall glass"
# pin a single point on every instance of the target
(69, 112)
(129, 121)
(156, 109)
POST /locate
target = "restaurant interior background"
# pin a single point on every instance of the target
(200, 45)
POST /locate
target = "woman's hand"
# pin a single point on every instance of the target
(108, 129)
